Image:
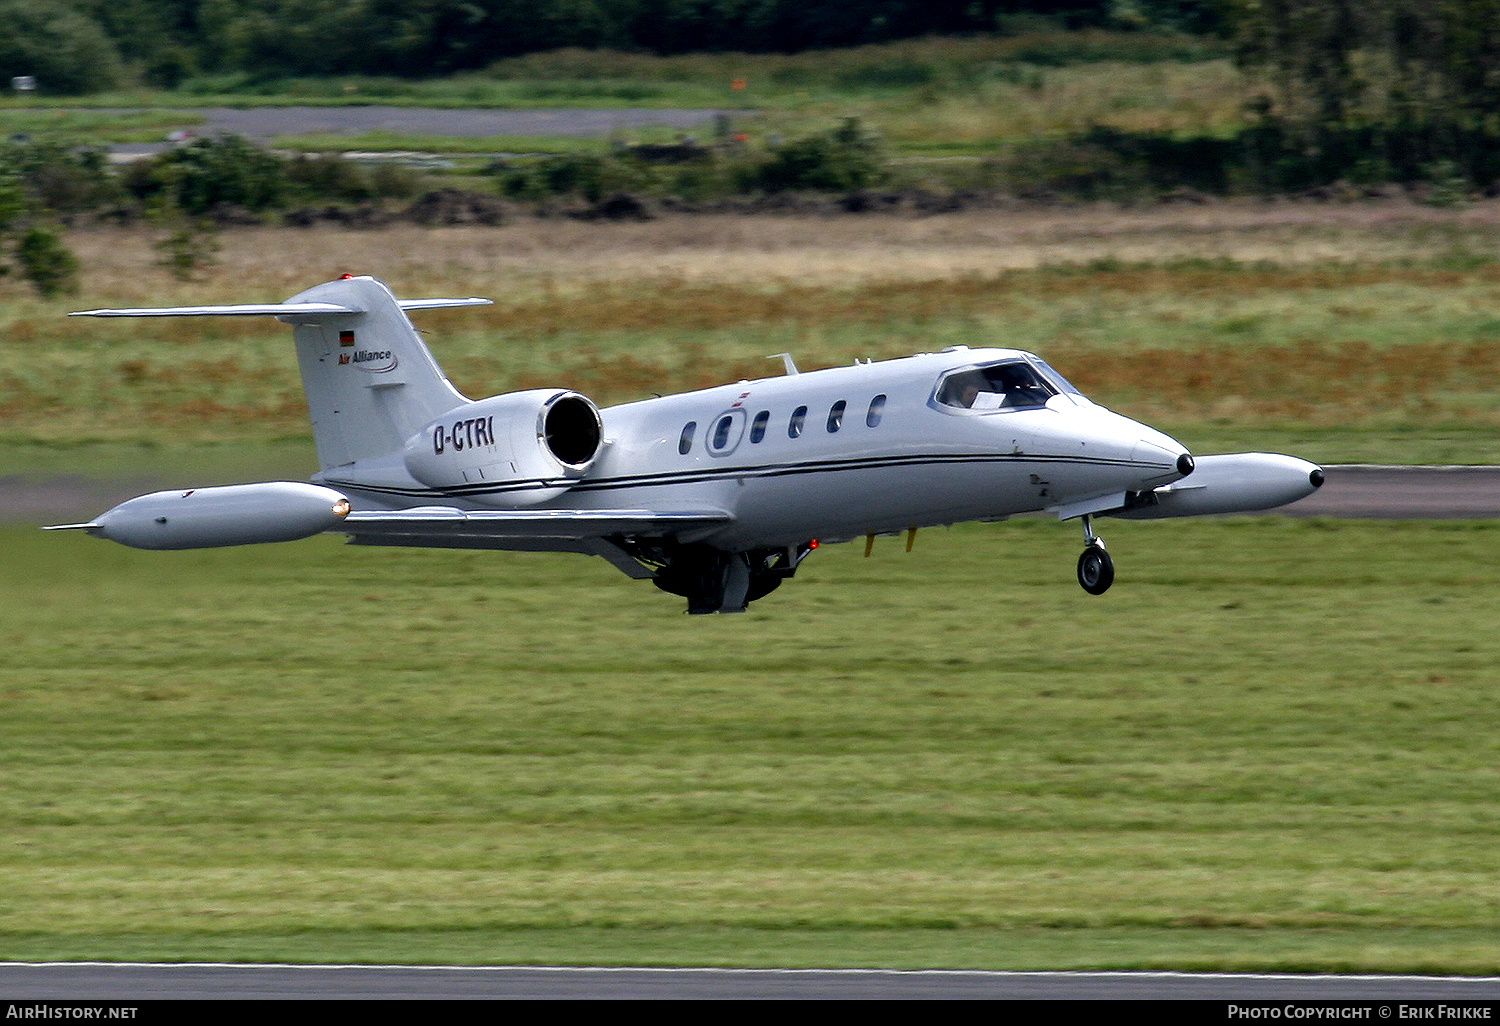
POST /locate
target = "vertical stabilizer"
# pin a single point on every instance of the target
(371, 382)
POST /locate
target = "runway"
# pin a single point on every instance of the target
(126, 982)
(1404, 493)
(1360, 491)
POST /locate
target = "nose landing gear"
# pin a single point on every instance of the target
(1096, 570)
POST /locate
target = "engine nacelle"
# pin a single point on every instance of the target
(203, 518)
(516, 449)
(1234, 483)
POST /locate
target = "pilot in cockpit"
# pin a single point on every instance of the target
(1010, 385)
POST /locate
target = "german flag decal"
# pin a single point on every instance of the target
(346, 337)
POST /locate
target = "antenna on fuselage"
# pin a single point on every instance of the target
(786, 359)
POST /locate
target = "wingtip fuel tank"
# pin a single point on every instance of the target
(200, 518)
(1232, 483)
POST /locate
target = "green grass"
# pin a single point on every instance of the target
(1389, 362)
(940, 96)
(1270, 746)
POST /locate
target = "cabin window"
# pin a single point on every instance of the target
(836, 416)
(876, 411)
(721, 432)
(1012, 385)
(799, 418)
(758, 426)
(685, 443)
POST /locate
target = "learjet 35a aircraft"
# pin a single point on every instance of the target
(715, 495)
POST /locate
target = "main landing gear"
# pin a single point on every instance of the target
(715, 581)
(1096, 570)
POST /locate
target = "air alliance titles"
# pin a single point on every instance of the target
(383, 359)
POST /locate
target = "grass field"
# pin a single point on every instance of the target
(1271, 746)
(929, 97)
(1341, 332)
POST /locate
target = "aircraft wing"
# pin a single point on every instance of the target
(550, 530)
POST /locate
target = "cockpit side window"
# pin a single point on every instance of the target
(1012, 385)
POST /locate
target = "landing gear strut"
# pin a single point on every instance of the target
(1096, 570)
(715, 581)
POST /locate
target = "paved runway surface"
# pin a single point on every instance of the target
(1415, 493)
(138, 982)
(264, 124)
(1402, 493)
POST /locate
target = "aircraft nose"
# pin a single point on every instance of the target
(1316, 477)
(1163, 450)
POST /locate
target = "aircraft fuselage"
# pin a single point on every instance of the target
(832, 454)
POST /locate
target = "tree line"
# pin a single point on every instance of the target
(1374, 90)
(80, 46)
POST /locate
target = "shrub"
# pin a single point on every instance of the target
(49, 265)
(208, 172)
(187, 248)
(844, 159)
(588, 175)
(62, 179)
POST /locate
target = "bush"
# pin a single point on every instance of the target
(49, 265)
(842, 160)
(61, 179)
(208, 172)
(330, 176)
(188, 247)
(580, 174)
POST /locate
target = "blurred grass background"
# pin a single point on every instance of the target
(1359, 333)
(1269, 747)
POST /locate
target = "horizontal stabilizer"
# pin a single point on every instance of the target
(272, 309)
(239, 310)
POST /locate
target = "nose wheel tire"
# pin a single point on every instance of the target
(1096, 570)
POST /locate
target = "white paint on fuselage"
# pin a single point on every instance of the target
(922, 464)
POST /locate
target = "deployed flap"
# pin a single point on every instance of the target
(551, 529)
(1087, 507)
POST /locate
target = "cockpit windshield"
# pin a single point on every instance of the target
(1011, 385)
(1050, 373)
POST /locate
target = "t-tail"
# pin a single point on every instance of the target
(371, 382)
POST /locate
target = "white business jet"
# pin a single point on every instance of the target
(715, 495)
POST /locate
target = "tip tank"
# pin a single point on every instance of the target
(1240, 482)
(200, 518)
